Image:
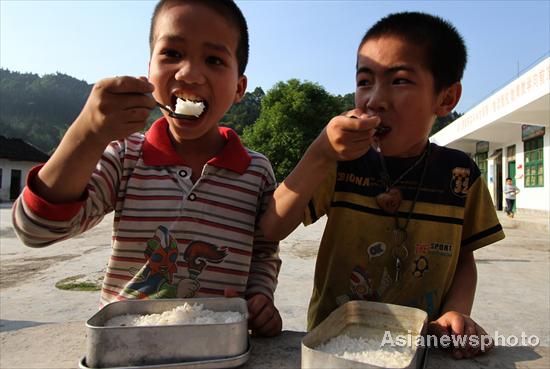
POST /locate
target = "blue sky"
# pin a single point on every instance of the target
(308, 40)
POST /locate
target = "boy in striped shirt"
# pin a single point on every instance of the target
(187, 195)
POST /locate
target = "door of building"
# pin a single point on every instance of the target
(499, 179)
(512, 174)
(512, 171)
(15, 184)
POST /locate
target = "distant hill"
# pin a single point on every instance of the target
(40, 109)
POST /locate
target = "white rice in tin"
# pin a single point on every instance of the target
(180, 315)
(368, 351)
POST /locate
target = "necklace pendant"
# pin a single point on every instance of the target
(401, 254)
(399, 236)
(390, 200)
(397, 269)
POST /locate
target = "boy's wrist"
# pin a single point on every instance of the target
(81, 133)
(462, 308)
(319, 156)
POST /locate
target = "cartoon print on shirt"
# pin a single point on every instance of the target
(422, 248)
(376, 249)
(362, 285)
(460, 181)
(198, 253)
(156, 278)
(420, 266)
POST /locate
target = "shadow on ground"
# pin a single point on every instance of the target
(14, 325)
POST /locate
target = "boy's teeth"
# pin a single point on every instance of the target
(189, 97)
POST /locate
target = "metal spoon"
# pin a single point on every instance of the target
(379, 130)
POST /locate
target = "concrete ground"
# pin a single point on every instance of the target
(512, 298)
(526, 220)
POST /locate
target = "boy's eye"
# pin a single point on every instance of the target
(400, 81)
(363, 82)
(214, 60)
(171, 53)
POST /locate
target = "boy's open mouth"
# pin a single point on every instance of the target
(189, 107)
(382, 130)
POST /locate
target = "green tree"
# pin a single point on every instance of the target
(292, 115)
(347, 101)
(246, 112)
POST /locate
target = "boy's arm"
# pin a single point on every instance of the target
(460, 297)
(344, 138)
(264, 318)
(455, 313)
(481, 227)
(286, 208)
(116, 108)
(55, 205)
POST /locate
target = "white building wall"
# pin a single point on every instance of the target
(533, 198)
(495, 120)
(529, 87)
(7, 166)
(530, 198)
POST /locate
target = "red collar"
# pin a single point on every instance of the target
(158, 149)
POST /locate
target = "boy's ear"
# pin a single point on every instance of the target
(448, 98)
(241, 88)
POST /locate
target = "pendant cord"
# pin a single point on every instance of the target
(386, 175)
(420, 182)
(386, 178)
(400, 251)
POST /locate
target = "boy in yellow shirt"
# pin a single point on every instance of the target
(404, 215)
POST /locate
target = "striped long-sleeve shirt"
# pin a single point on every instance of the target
(171, 237)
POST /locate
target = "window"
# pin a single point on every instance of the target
(534, 172)
(15, 184)
(511, 153)
(481, 161)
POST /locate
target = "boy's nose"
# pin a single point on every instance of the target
(377, 100)
(190, 73)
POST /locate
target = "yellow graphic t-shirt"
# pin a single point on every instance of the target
(356, 259)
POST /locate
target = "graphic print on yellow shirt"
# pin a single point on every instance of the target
(453, 212)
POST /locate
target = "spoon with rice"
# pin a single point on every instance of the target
(185, 109)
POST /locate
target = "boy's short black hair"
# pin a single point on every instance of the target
(227, 9)
(444, 48)
(509, 179)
